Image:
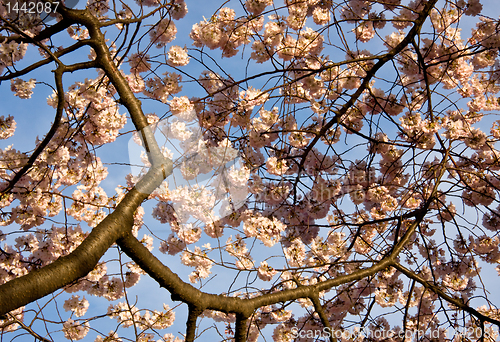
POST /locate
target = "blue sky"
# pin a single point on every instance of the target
(33, 119)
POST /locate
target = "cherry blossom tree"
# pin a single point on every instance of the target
(311, 170)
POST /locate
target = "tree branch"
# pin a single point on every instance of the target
(46, 61)
(84, 258)
(322, 316)
(46, 33)
(193, 314)
(27, 328)
(127, 97)
(241, 329)
(57, 121)
(455, 301)
(369, 75)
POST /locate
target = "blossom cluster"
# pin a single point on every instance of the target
(22, 88)
(317, 173)
(7, 127)
(130, 315)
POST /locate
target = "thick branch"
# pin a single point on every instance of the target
(193, 314)
(186, 293)
(127, 97)
(84, 258)
(179, 289)
(241, 329)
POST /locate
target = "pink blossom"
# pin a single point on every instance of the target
(276, 167)
(11, 52)
(209, 34)
(7, 127)
(257, 6)
(295, 253)
(177, 56)
(365, 31)
(173, 245)
(474, 7)
(111, 337)
(491, 220)
(261, 52)
(321, 16)
(74, 330)
(163, 32)
(267, 230)
(139, 63)
(76, 305)
(78, 32)
(136, 83)
(454, 282)
(179, 10)
(189, 234)
(265, 272)
(22, 88)
(182, 108)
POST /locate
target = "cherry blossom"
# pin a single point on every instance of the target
(76, 305)
(22, 88)
(163, 32)
(74, 330)
(292, 167)
(139, 63)
(7, 126)
(177, 56)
